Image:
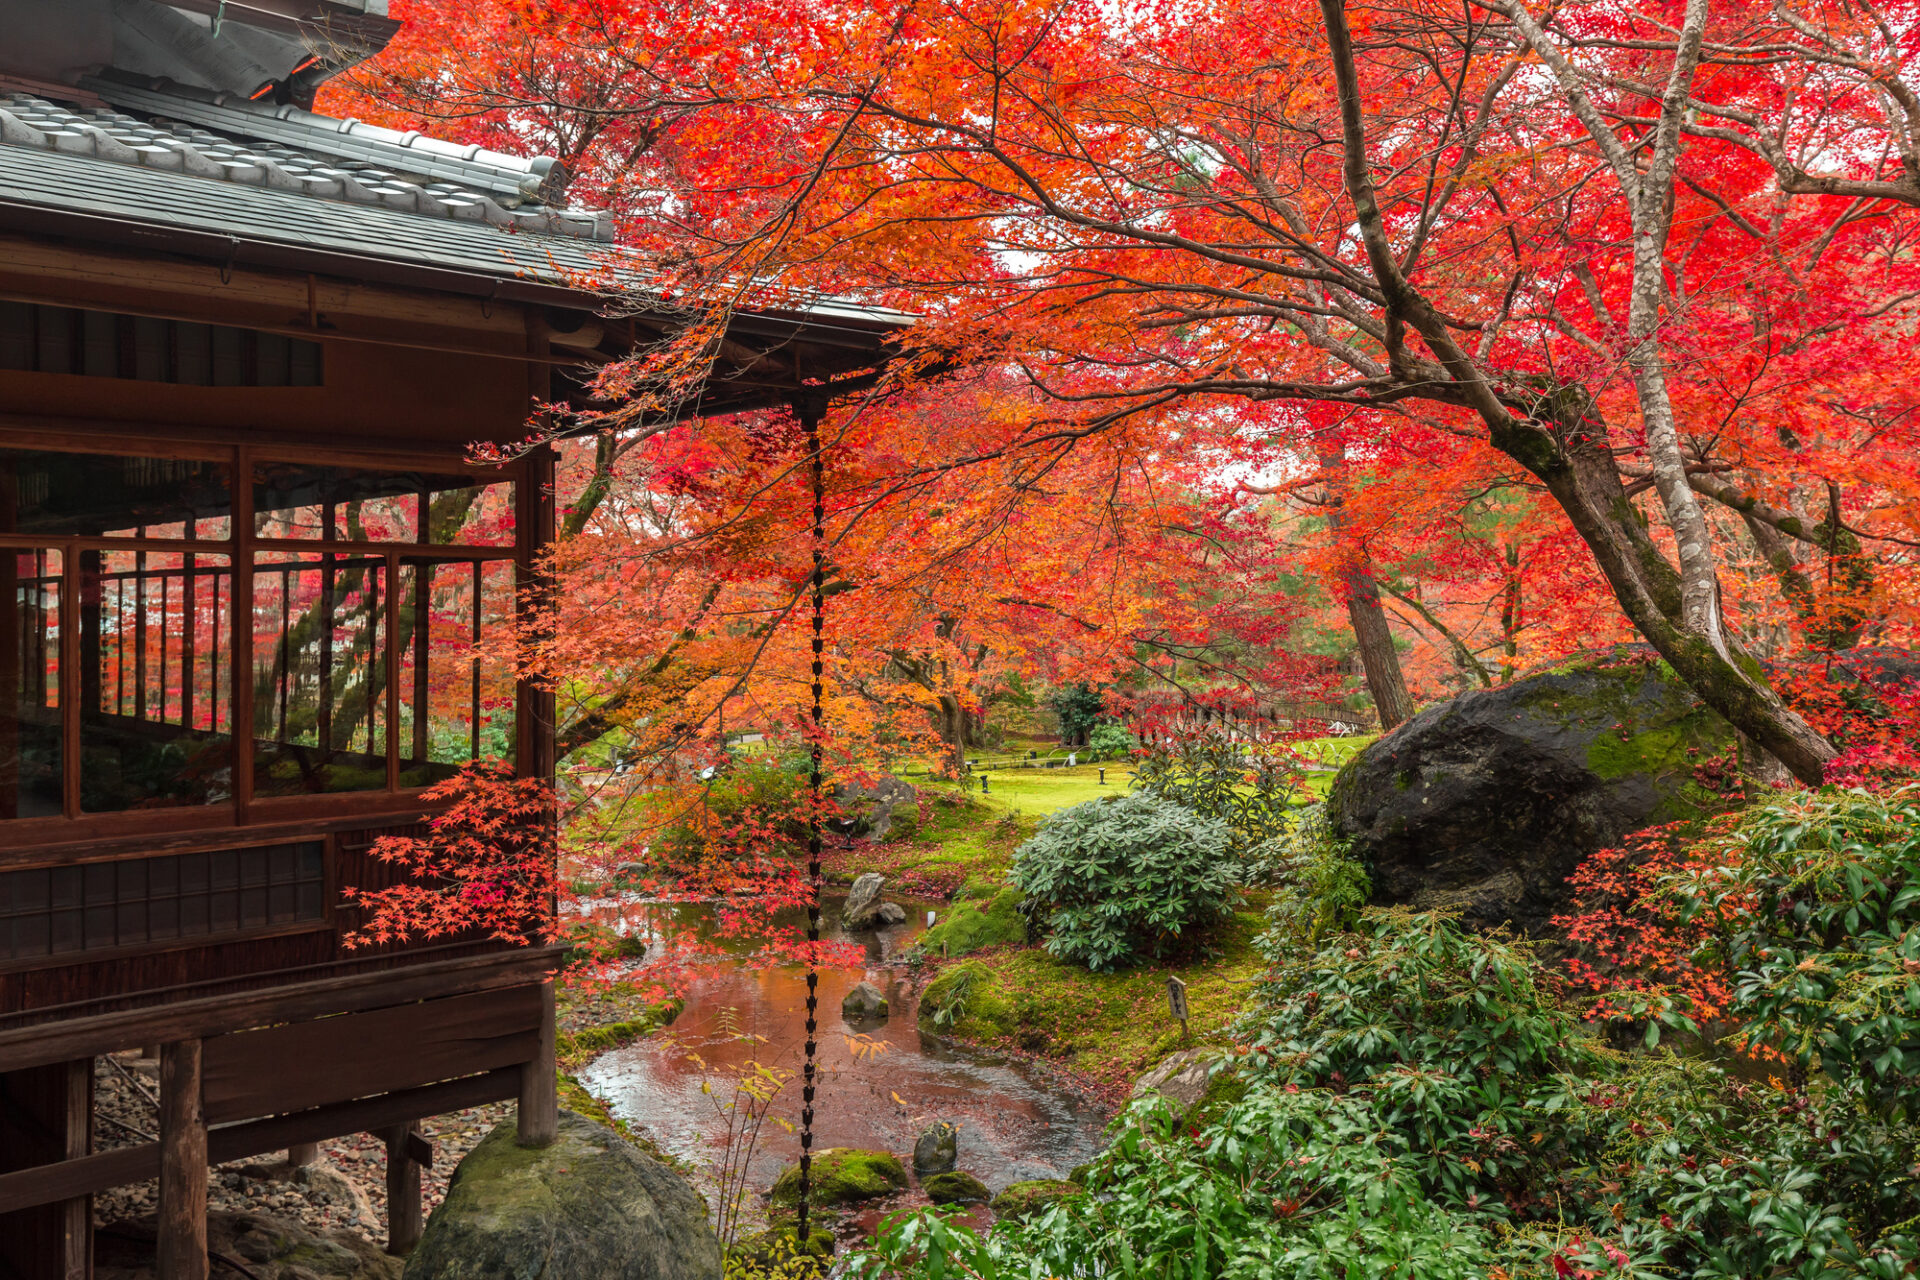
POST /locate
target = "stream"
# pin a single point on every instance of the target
(1014, 1123)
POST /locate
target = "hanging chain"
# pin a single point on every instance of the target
(810, 419)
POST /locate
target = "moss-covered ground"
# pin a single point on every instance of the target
(1106, 1027)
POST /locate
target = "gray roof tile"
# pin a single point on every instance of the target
(166, 142)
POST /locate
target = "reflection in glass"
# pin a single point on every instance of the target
(319, 673)
(30, 732)
(456, 674)
(49, 494)
(156, 707)
(304, 501)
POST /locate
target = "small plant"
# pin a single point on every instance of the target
(951, 1006)
(744, 1103)
(1322, 885)
(1124, 878)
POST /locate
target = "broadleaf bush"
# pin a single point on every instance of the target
(1125, 878)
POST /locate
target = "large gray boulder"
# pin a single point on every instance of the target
(588, 1207)
(1485, 804)
(1182, 1079)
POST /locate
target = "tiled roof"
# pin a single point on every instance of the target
(308, 188)
(337, 163)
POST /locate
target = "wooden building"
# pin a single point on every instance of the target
(245, 574)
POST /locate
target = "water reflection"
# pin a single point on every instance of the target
(1013, 1123)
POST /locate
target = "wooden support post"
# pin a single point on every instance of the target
(46, 1118)
(76, 1228)
(301, 1154)
(539, 1101)
(183, 1164)
(403, 1189)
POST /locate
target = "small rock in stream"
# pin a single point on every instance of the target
(890, 913)
(865, 1003)
(862, 901)
(955, 1188)
(938, 1149)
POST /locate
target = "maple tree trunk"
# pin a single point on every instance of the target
(1510, 616)
(1583, 478)
(1378, 657)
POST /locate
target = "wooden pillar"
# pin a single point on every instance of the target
(76, 1226)
(46, 1115)
(301, 1154)
(183, 1164)
(403, 1189)
(539, 1100)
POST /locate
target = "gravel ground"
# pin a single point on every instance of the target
(579, 1010)
(346, 1189)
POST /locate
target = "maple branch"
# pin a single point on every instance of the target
(1463, 657)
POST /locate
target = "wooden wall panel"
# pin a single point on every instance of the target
(378, 398)
(311, 1064)
(122, 980)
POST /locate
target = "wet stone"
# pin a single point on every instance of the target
(937, 1150)
(955, 1188)
(865, 1003)
(862, 901)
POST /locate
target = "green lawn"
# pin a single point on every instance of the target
(1044, 791)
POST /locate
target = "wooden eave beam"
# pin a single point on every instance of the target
(43, 1042)
(312, 306)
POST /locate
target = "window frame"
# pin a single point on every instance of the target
(241, 547)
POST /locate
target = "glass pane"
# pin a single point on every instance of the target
(472, 516)
(30, 733)
(456, 666)
(156, 725)
(297, 500)
(319, 674)
(110, 495)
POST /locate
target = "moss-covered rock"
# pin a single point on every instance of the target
(905, 823)
(1025, 1199)
(843, 1175)
(1486, 803)
(955, 1188)
(972, 924)
(965, 1000)
(588, 1204)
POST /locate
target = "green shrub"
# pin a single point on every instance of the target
(1321, 885)
(1247, 786)
(1824, 940)
(1110, 741)
(1418, 1103)
(1125, 877)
